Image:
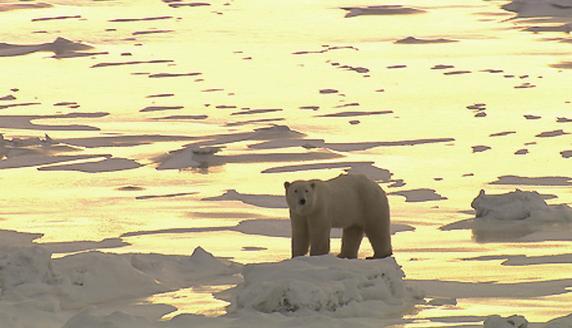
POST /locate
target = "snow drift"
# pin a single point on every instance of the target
(325, 284)
(518, 215)
(35, 288)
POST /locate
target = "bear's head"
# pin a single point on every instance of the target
(301, 196)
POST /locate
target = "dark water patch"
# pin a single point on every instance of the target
(19, 105)
(287, 143)
(152, 32)
(368, 145)
(168, 75)
(180, 194)
(183, 117)
(522, 151)
(61, 47)
(563, 65)
(4, 7)
(439, 288)
(492, 71)
(326, 49)
(521, 260)
(354, 104)
(564, 28)
(533, 181)
(80, 246)
(356, 113)
(173, 231)
(71, 104)
(36, 159)
(262, 120)
(414, 40)
(258, 200)
(480, 148)
(313, 107)
(457, 72)
(120, 141)
(257, 111)
(55, 18)
(525, 85)
(159, 108)
(442, 66)
(136, 62)
(276, 132)
(161, 95)
(365, 168)
(419, 195)
(380, 10)
(25, 122)
(127, 20)
(203, 159)
(105, 165)
(253, 248)
(7, 98)
(226, 106)
(179, 4)
(130, 188)
(550, 134)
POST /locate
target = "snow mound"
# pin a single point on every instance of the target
(514, 321)
(36, 288)
(518, 321)
(562, 322)
(86, 319)
(519, 205)
(21, 266)
(325, 284)
(516, 216)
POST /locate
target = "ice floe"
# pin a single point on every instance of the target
(516, 216)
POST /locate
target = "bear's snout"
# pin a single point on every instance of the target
(302, 201)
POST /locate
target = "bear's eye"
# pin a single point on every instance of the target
(295, 191)
(306, 190)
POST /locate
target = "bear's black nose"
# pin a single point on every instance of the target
(302, 201)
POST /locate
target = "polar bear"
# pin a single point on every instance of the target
(351, 202)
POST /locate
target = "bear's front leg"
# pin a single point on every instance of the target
(300, 236)
(319, 236)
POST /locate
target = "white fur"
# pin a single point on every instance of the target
(351, 202)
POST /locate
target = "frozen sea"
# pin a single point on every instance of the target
(148, 126)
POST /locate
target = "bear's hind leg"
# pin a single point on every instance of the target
(351, 239)
(380, 238)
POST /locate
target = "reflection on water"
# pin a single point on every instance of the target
(193, 300)
(185, 90)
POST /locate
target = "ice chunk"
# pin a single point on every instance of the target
(325, 284)
(514, 321)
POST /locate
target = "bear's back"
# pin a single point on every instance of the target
(356, 183)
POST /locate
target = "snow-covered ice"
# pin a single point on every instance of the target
(517, 215)
(326, 284)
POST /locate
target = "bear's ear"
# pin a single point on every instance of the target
(286, 185)
(313, 185)
(482, 192)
